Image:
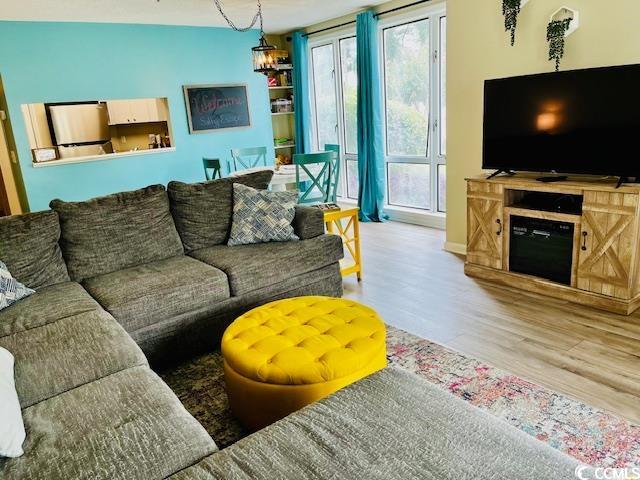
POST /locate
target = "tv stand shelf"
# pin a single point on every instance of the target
(605, 264)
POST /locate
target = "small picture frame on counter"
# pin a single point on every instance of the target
(45, 154)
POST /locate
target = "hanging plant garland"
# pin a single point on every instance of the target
(555, 36)
(511, 10)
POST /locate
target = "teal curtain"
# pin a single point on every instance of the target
(370, 143)
(302, 106)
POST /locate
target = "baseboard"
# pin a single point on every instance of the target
(406, 215)
(458, 248)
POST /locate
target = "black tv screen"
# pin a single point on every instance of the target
(580, 121)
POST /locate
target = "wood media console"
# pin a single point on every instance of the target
(593, 231)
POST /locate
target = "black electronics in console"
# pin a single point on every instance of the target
(550, 202)
(542, 248)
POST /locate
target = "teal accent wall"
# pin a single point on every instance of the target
(60, 62)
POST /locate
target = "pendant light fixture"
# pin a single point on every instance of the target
(264, 60)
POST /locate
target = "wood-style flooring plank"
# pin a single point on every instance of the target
(415, 285)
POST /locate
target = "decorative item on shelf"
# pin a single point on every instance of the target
(281, 105)
(280, 79)
(283, 142)
(511, 10)
(282, 160)
(562, 23)
(158, 141)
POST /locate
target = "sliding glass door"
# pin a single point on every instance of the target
(335, 96)
(413, 78)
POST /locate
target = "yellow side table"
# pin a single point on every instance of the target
(350, 233)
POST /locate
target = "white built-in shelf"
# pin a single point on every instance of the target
(288, 145)
(564, 13)
(282, 113)
(283, 87)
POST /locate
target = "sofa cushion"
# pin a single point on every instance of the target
(202, 211)
(126, 426)
(47, 305)
(73, 351)
(29, 247)
(392, 425)
(250, 267)
(147, 294)
(195, 332)
(118, 231)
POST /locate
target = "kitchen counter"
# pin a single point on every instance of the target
(107, 156)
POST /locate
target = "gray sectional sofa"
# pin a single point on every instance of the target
(145, 275)
(157, 261)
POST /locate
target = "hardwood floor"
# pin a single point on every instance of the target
(415, 285)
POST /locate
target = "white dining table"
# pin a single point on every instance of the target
(281, 181)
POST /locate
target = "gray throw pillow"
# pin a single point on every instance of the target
(11, 290)
(260, 216)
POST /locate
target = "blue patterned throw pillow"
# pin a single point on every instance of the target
(11, 290)
(261, 216)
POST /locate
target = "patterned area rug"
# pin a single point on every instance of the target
(591, 435)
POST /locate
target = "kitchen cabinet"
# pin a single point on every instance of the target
(143, 110)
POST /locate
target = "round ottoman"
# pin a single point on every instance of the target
(284, 355)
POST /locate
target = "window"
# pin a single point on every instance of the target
(413, 61)
(406, 66)
(406, 184)
(325, 95)
(335, 87)
(443, 85)
(349, 74)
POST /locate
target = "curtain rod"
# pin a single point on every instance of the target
(419, 2)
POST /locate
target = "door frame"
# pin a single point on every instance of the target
(7, 174)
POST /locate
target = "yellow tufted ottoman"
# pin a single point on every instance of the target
(284, 355)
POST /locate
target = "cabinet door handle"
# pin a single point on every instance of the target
(584, 241)
(499, 226)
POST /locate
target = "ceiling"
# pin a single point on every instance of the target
(279, 15)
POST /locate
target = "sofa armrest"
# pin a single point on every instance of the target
(308, 222)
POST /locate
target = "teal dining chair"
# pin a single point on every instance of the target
(317, 167)
(244, 158)
(212, 164)
(335, 171)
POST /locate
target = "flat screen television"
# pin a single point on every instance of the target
(580, 122)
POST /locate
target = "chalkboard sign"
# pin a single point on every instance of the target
(216, 107)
